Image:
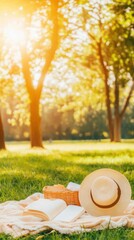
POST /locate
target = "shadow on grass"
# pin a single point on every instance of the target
(18, 183)
(25, 174)
(22, 175)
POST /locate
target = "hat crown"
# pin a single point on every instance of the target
(104, 191)
(116, 183)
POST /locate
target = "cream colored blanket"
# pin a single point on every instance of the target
(13, 222)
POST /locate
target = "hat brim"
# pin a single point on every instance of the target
(86, 200)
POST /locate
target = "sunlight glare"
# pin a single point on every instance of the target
(36, 79)
(13, 34)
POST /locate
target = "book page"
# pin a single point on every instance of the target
(73, 186)
(70, 213)
(46, 208)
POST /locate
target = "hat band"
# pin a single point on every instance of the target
(110, 205)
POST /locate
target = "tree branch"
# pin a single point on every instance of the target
(107, 90)
(26, 69)
(104, 68)
(127, 101)
(54, 44)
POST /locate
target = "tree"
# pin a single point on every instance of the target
(5, 87)
(111, 44)
(123, 55)
(2, 140)
(34, 51)
(35, 92)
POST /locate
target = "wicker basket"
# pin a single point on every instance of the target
(59, 191)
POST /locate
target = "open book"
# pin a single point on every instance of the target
(56, 210)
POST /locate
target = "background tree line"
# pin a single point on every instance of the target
(75, 56)
(58, 125)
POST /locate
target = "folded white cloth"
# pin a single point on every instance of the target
(13, 222)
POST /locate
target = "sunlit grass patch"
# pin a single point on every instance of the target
(23, 172)
(69, 145)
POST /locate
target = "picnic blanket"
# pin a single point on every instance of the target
(15, 223)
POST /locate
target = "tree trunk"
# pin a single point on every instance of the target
(109, 114)
(117, 129)
(107, 91)
(35, 120)
(117, 118)
(2, 141)
(35, 93)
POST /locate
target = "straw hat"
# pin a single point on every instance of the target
(105, 192)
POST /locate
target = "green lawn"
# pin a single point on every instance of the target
(24, 171)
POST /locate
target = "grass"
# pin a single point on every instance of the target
(24, 171)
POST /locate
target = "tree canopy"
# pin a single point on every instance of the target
(73, 56)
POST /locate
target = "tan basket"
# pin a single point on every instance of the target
(59, 191)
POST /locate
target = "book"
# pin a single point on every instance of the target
(54, 209)
(73, 186)
(70, 214)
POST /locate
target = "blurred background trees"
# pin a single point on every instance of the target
(66, 70)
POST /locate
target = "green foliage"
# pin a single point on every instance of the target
(85, 123)
(75, 80)
(81, 1)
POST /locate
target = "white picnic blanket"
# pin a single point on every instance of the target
(13, 222)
